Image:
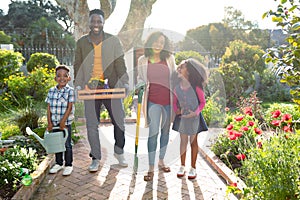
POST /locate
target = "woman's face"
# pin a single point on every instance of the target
(158, 45)
(182, 70)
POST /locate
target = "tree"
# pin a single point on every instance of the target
(131, 31)
(240, 66)
(286, 58)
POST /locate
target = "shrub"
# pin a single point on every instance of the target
(10, 63)
(183, 55)
(13, 160)
(22, 88)
(272, 172)
(44, 60)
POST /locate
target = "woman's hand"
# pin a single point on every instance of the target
(190, 115)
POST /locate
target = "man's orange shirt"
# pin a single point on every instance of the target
(98, 70)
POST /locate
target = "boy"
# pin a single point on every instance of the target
(60, 113)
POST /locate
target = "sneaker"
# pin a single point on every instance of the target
(55, 169)
(67, 171)
(121, 159)
(94, 165)
(192, 173)
(181, 172)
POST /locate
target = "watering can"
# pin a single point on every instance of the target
(54, 141)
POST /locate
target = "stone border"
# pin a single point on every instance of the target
(221, 168)
(26, 192)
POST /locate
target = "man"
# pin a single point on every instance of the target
(100, 55)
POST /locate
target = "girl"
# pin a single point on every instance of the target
(154, 69)
(188, 102)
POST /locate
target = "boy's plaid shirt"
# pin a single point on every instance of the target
(58, 100)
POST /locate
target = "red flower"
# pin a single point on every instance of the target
(241, 156)
(232, 135)
(258, 131)
(250, 123)
(287, 129)
(239, 118)
(244, 128)
(238, 134)
(276, 113)
(229, 127)
(248, 111)
(233, 184)
(259, 145)
(276, 122)
(286, 117)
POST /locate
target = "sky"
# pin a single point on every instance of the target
(178, 16)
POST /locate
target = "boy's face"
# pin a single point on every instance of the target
(62, 77)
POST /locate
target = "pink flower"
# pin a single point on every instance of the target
(276, 122)
(259, 145)
(287, 129)
(227, 109)
(258, 131)
(239, 118)
(276, 113)
(244, 128)
(241, 156)
(250, 123)
(286, 117)
(248, 111)
(238, 134)
(229, 127)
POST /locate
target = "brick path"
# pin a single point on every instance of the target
(114, 182)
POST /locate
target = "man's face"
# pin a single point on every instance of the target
(96, 24)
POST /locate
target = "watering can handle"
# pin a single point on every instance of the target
(65, 131)
(29, 131)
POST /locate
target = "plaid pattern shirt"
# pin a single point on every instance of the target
(58, 100)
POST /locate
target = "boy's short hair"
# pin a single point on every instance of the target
(62, 67)
(96, 11)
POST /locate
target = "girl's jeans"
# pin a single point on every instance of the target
(68, 153)
(158, 118)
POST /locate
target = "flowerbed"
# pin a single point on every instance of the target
(264, 155)
(12, 162)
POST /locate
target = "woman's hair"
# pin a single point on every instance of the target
(198, 73)
(165, 53)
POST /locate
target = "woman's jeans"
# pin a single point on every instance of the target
(68, 154)
(158, 119)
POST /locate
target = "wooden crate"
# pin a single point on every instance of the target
(116, 93)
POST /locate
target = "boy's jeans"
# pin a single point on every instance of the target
(68, 154)
(158, 119)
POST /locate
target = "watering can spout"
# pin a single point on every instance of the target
(30, 132)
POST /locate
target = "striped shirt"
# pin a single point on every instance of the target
(58, 100)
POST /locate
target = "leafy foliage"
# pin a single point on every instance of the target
(45, 60)
(286, 58)
(10, 63)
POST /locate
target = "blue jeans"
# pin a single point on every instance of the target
(68, 153)
(158, 119)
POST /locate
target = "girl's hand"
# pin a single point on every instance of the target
(178, 112)
(190, 115)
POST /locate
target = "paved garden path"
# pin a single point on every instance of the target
(114, 182)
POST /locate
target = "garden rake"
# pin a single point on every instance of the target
(140, 96)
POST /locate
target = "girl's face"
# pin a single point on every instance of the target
(182, 70)
(62, 78)
(158, 45)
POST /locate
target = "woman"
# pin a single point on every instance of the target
(154, 70)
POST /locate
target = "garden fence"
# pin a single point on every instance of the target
(64, 55)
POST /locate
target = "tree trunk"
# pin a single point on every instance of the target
(131, 32)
